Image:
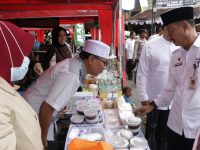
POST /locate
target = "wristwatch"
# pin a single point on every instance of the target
(153, 104)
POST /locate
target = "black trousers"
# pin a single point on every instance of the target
(156, 129)
(52, 145)
(129, 67)
(135, 69)
(178, 142)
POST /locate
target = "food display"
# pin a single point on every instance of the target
(87, 133)
(139, 143)
(118, 127)
(120, 143)
(81, 102)
(77, 119)
(94, 106)
(81, 108)
(90, 111)
(111, 118)
(134, 124)
(90, 114)
(127, 134)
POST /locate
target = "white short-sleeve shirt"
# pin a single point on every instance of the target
(56, 86)
(130, 48)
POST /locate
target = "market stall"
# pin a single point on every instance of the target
(100, 113)
(47, 14)
(37, 13)
(106, 118)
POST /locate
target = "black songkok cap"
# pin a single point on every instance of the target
(178, 14)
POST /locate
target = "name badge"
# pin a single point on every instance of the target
(178, 64)
(193, 82)
(194, 79)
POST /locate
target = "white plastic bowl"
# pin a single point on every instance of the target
(138, 142)
(93, 121)
(90, 113)
(120, 143)
(94, 106)
(77, 119)
(81, 102)
(134, 121)
(80, 109)
(127, 134)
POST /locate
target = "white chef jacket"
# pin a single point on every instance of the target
(56, 87)
(185, 112)
(153, 68)
(130, 48)
(19, 124)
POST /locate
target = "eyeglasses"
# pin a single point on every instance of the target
(102, 59)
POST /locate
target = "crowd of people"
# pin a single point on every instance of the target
(167, 81)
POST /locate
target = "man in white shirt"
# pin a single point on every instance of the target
(138, 49)
(152, 75)
(52, 91)
(129, 47)
(183, 81)
(159, 32)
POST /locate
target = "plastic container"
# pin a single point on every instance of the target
(127, 134)
(93, 121)
(82, 132)
(81, 102)
(94, 106)
(111, 118)
(90, 114)
(139, 142)
(77, 119)
(134, 123)
(81, 108)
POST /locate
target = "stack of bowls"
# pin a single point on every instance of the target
(81, 108)
(134, 124)
(91, 115)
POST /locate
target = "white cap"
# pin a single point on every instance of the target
(97, 48)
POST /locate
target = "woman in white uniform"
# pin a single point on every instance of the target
(52, 91)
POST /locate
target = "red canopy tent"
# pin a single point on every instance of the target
(69, 11)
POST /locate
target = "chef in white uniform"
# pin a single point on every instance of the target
(152, 76)
(52, 91)
(183, 82)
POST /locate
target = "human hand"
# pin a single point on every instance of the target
(45, 144)
(38, 69)
(143, 110)
(64, 111)
(145, 102)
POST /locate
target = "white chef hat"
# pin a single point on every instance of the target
(97, 48)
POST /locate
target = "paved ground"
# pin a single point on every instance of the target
(135, 96)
